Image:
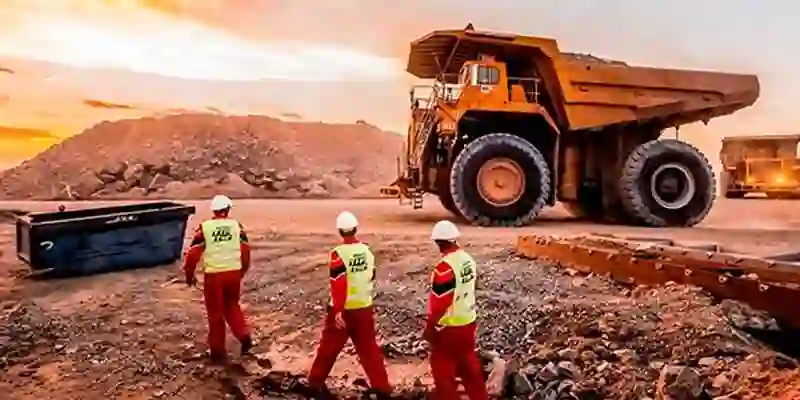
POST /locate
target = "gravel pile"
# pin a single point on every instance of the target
(197, 155)
(549, 333)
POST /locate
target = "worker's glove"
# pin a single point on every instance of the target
(338, 320)
(191, 281)
(429, 334)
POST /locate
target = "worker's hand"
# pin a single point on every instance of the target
(429, 335)
(338, 319)
(191, 281)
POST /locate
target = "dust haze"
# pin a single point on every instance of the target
(675, 35)
(658, 35)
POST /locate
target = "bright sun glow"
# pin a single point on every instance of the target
(94, 34)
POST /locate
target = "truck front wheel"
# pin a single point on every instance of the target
(447, 200)
(667, 182)
(500, 180)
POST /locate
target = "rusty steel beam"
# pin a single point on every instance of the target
(785, 273)
(627, 266)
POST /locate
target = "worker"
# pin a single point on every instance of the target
(451, 326)
(221, 244)
(350, 312)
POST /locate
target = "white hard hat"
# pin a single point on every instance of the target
(220, 202)
(346, 221)
(445, 230)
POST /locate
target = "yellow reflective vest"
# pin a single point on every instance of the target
(462, 311)
(360, 266)
(223, 250)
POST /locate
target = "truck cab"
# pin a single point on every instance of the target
(492, 84)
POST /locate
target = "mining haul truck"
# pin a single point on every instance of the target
(767, 164)
(510, 124)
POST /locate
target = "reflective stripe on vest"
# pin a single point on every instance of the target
(223, 246)
(462, 311)
(360, 264)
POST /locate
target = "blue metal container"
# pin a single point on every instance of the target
(104, 239)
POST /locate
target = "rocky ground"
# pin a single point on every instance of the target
(546, 332)
(196, 155)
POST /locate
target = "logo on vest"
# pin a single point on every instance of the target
(467, 273)
(221, 234)
(358, 262)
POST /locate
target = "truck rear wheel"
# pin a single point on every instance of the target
(500, 180)
(667, 182)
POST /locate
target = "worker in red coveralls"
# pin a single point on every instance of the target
(221, 245)
(451, 328)
(351, 312)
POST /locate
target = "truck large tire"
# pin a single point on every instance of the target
(500, 180)
(667, 182)
(447, 201)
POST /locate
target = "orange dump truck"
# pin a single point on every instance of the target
(509, 124)
(768, 164)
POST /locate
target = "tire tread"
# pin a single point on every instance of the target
(459, 197)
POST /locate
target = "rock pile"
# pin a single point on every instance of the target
(198, 155)
(587, 337)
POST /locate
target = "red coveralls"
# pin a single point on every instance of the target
(452, 348)
(221, 291)
(360, 327)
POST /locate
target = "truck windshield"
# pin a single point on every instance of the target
(487, 75)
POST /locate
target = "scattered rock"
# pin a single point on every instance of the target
(497, 377)
(678, 382)
(706, 361)
(568, 354)
(520, 385)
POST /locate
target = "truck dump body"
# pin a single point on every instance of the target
(587, 94)
(598, 95)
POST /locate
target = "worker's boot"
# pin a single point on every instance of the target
(247, 345)
(374, 394)
(217, 359)
(322, 393)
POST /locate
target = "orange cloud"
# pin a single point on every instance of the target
(19, 144)
(107, 104)
(13, 133)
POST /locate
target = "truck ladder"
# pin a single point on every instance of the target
(423, 129)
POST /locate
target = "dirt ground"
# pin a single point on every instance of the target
(140, 334)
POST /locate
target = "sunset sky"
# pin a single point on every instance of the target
(337, 43)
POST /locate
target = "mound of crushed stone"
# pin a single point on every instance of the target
(199, 155)
(550, 333)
